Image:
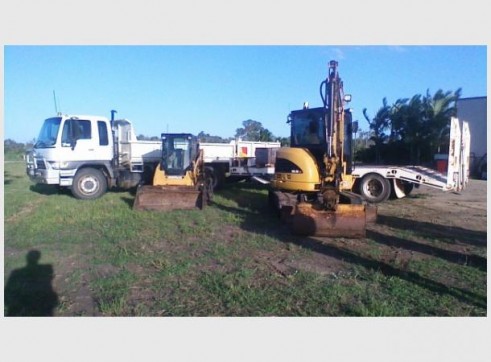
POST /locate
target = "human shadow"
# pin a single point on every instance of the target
(442, 232)
(256, 219)
(28, 291)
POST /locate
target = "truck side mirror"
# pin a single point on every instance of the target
(354, 127)
(73, 132)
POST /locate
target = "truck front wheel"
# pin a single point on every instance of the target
(89, 184)
(374, 188)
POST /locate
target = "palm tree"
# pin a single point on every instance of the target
(439, 108)
(379, 125)
(423, 123)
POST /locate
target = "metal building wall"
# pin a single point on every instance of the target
(474, 111)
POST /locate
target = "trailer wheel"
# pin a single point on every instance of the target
(374, 188)
(89, 184)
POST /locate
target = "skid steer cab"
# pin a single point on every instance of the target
(181, 180)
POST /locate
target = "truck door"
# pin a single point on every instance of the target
(86, 140)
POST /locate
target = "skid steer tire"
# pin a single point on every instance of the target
(375, 188)
(89, 184)
(212, 176)
(208, 187)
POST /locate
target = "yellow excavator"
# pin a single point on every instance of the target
(180, 181)
(311, 188)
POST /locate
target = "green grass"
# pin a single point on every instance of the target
(235, 258)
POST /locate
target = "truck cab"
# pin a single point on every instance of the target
(65, 143)
(90, 154)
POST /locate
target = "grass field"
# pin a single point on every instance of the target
(235, 258)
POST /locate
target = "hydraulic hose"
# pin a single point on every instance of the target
(323, 92)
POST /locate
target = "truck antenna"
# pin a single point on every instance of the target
(56, 106)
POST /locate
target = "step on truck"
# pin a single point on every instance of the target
(91, 154)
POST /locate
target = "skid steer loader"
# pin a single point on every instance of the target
(180, 181)
(312, 185)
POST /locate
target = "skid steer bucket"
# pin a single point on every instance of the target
(347, 221)
(167, 198)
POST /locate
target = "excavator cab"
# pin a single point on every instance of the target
(310, 130)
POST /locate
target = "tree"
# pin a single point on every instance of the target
(10, 146)
(142, 137)
(265, 135)
(379, 125)
(253, 131)
(284, 141)
(439, 108)
(205, 137)
(412, 129)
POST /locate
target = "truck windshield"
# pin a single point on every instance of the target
(49, 133)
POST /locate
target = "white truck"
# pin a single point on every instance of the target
(377, 183)
(240, 159)
(90, 154)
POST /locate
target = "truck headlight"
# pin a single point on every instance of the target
(58, 165)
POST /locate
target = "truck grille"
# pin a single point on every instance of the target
(40, 165)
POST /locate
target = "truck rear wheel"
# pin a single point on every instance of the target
(89, 184)
(374, 188)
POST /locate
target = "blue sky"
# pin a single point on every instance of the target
(214, 88)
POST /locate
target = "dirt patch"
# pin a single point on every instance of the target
(465, 210)
(429, 223)
(71, 282)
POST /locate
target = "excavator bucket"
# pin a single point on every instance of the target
(167, 198)
(347, 221)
